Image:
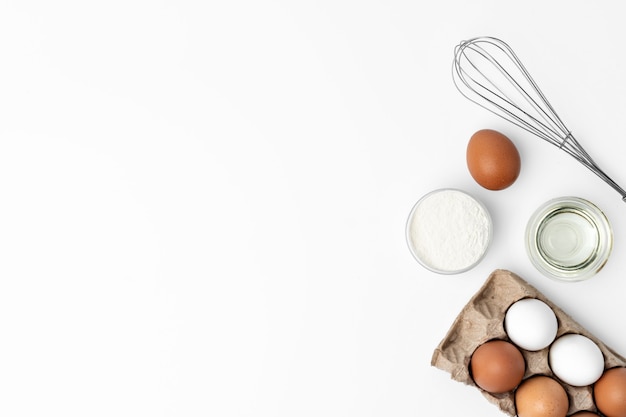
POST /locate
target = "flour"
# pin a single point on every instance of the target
(449, 231)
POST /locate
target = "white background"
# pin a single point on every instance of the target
(202, 204)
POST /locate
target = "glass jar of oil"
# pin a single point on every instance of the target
(569, 239)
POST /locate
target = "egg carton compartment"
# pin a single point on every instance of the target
(482, 319)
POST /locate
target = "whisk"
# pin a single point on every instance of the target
(487, 72)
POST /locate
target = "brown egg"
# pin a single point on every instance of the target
(497, 366)
(541, 396)
(610, 393)
(492, 159)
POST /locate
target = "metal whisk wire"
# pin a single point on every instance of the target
(487, 72)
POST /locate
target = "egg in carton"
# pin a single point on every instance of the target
(482, 320)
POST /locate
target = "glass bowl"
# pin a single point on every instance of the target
(448, 231)
(569, 239)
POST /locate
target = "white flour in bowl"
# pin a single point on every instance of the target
(448, 231)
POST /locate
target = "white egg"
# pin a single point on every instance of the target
(576, 360)
(531, 324)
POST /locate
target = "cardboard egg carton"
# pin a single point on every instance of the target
(482, 319)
